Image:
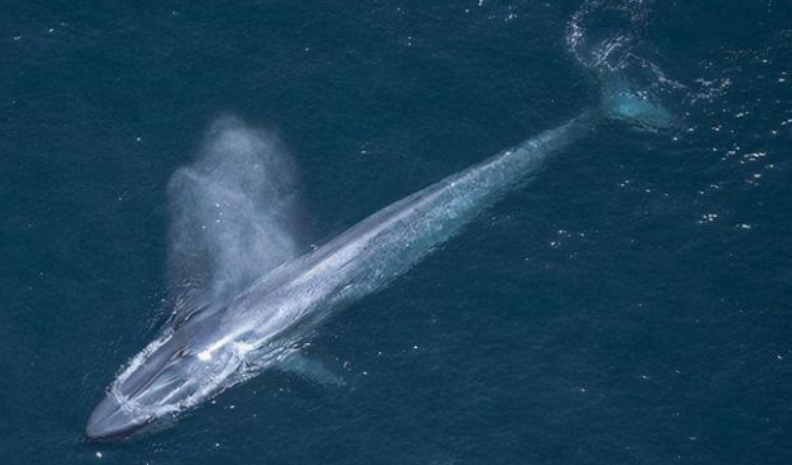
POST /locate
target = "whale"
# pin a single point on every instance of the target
(248, 296)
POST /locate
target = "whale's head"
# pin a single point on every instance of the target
(172, 374)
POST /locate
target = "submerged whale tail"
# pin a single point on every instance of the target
(621, 99)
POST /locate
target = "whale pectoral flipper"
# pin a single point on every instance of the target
(310, 369)
(235, 217)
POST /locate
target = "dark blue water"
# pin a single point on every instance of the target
(631, 305)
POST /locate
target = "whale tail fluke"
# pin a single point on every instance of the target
(623, 100)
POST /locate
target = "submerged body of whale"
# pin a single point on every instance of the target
(229, 327)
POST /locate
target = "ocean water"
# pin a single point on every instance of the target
(629, 306)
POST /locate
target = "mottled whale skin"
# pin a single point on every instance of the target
(204, 353)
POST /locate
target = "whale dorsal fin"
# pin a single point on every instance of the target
(234, 217)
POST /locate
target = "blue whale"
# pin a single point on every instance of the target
(235, 215)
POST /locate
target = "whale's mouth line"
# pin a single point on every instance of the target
(123, 434)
